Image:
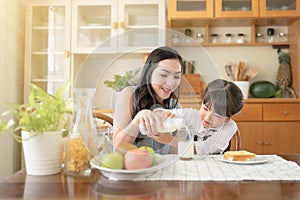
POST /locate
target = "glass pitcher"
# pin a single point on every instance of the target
(81, 144)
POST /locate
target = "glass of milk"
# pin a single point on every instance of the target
(185, 143)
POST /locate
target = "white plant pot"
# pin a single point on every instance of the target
(43, 153)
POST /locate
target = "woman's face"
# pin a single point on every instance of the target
(210, 119)
(166, 78)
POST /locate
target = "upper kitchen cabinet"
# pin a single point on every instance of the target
(94, 22)
(184, 9)
(279, 8)
(236, 8)
(110, 26)
(47, 45)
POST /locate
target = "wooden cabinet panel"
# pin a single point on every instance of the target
(270, 128)
(190, 9)
(281, 112)
(252, 136)
(281, 137)
(250, 112)
(231, 9)
(279, 8)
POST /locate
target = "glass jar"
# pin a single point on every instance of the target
(282, 37)
(188, 35)
(199, 37)
(175, 38)
(81, 144)
(259, 37)
(240, 38)
(214, 38)
(228, 38)
(270, 34)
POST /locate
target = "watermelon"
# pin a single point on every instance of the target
(262, 89)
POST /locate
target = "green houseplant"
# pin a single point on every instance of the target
(43, 112)
(43, 122)
(121, 82)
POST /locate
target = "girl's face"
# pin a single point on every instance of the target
(166, 78)
(210, 119)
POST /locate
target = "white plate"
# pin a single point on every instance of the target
(257, 160)
(122, 174)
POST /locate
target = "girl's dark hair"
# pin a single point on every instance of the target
(144, 94)
(224, 97)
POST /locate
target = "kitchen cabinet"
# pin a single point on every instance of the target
(279, 8)
(110, 26)
(183, 9)
(236, 8)
(270, 127)
(230, 17)
(186, 9)
(47, 45)
(60, 34)
(183, 19)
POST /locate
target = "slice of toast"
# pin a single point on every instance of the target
(240, 155)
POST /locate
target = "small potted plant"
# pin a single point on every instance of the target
(120, 82)
(43, 122)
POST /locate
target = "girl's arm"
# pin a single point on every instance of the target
(218, 141)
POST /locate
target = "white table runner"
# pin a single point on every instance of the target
(211, 168)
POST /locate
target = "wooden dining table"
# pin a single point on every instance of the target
(60, 186)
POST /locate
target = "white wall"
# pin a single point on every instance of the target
(263, 57)
(11, 75)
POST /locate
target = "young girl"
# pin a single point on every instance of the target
(212, 124)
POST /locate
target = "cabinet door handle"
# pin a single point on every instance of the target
(285, 112)
(121, 24)
(66, 54)
(115, 25)
(267, 143)
(260, 142)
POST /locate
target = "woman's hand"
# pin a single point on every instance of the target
(165, 138)
(150, 122)
(163, 113)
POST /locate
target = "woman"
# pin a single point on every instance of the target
(157, 87)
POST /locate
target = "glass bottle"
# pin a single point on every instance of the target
(81, 144)
(240, 38)
(214, 38)
(270, 33)
(228, 38)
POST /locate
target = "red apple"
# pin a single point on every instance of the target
(138, 159)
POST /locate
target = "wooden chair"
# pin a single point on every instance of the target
(236, 142)
(101, 115)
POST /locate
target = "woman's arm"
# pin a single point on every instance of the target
(125, 128)
(126, 125)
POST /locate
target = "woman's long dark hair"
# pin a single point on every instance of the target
(144, 94)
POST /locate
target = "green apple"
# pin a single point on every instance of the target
(112, 160)
(152, 152)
